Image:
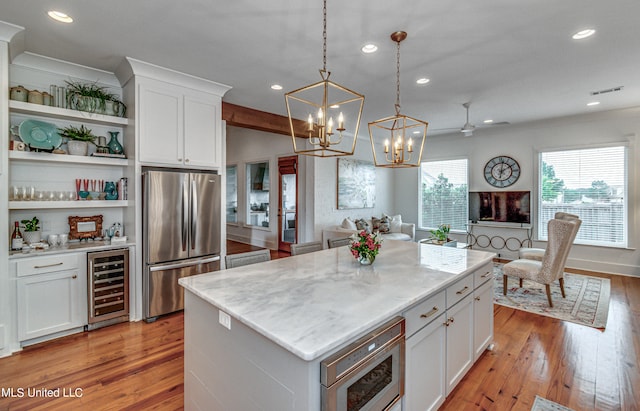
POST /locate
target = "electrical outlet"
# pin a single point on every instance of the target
(224, 319)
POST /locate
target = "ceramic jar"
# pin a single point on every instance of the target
(19, 93)
(35, 97)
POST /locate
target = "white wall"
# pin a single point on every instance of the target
(249, 146)
(326, 191)
(317, 187)
(523, 142)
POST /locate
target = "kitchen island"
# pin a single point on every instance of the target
(255, 335)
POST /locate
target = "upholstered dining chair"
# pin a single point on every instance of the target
(250, 257)
(537, 253)
(338, 242)
(551, 268)
(303, 248)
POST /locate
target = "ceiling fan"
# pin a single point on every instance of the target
(468, 128)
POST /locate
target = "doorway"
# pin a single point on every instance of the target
(287, 202)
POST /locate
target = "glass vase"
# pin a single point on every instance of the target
(114, 145)
(366, 260)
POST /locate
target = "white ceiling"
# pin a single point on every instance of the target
(514, 61)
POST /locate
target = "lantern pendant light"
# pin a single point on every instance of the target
(398, 141)
(324, 117)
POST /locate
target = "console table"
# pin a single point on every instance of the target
(498, 242)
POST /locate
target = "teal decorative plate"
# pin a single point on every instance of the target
(40, 135)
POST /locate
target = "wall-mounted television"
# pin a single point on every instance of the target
(500, 206)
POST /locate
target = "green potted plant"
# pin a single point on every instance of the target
(77, 139)
(441, 234)
(31, 232)
(94, 99)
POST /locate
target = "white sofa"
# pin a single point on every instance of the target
(398, 231)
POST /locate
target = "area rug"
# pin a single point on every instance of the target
(542, 404)
(587, 300)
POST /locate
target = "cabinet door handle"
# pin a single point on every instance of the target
(464, 290)
(448, 322)
(74, 276)
(48, 265)
(485, 275)
(430, 313)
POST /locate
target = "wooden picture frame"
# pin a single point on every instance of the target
(85, 227)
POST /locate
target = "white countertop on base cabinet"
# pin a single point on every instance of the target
(313, 303)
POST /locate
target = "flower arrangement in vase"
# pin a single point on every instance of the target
(365, 246)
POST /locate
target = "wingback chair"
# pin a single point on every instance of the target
(537, 253)
(551, 268)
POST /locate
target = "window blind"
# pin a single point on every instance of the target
(591, 183)
(444, 194)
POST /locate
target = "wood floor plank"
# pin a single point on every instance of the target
(140, 366)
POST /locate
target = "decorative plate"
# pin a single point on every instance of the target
(40, 135)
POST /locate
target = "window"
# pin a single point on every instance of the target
(591, 183)
(444, 190)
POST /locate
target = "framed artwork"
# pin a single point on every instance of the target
(85, 227)
(356, 184)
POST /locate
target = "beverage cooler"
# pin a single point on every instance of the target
(108, 285)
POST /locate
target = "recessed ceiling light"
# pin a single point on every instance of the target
(422, 80)
(583, 34)
(488, 121)
(60, 16)
(276, 87)
(593, 103)
(369, 48)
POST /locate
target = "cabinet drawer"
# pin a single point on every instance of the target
(459, 290)
(49, 264)
(423, 313)
(483, 275)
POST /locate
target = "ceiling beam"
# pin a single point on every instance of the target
(246, 117)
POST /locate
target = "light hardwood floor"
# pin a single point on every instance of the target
(139, 366)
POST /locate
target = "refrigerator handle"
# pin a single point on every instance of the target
(185, 215)
(194, 214)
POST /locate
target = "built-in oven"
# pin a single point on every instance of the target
(368, 375)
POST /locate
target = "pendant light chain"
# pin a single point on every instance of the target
(324, 37)
(398, 80)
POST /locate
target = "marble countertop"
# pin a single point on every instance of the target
(70, 248)
(313, 303)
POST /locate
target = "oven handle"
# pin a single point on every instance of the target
(328, 367)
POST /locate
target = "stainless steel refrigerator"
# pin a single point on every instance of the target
(181, 234)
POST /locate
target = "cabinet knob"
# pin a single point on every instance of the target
(74, 276)
(186, 160)
(180, 159)
(477, 298)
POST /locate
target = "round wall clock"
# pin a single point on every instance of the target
(502, 171)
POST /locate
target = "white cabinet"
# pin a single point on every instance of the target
(482, 317)
(179, 126)
(425, 367)
(52, 295)
(459, 324)
(446, 333)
